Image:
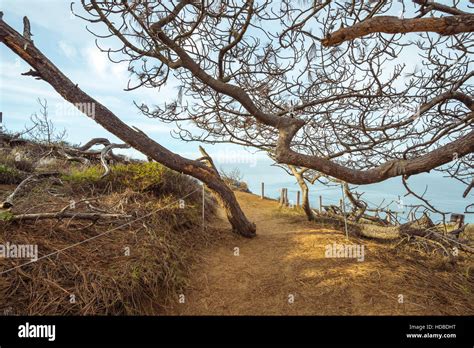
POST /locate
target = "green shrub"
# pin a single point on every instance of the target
(89, 175)
(5, 215)
(144, 177)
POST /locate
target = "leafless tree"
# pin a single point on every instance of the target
(281, 77)
(42, 128)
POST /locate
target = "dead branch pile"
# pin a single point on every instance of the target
(26, 156)
(421, 233)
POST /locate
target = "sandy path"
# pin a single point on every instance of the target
(287, 261)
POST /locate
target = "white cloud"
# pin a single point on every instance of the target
(68, 50)
(119, 69)
(40, 14)
(97, 60)
(117, 73)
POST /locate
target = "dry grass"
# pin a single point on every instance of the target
(99, 276)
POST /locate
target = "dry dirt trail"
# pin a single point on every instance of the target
(287, 261)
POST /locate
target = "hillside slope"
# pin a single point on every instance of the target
(132, 262)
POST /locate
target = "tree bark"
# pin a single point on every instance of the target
(138, 140)
(423, 163)
(305, 194)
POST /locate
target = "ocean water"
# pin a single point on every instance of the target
(445, 194)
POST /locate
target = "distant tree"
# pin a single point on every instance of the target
(42, 128)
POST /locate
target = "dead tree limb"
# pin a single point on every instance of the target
(431, 5)
(207, 159)
(8, 203)
(92, 142)
(105, 151)
(69, 157)
(468, 189)
(455, 233)
(393, 25)
(33, 73)
(66, 215)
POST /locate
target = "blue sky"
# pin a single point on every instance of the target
(64, 39)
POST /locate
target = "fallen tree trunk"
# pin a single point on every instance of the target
(92, 142)
(420, 227)
(138, 140)
(66, 215)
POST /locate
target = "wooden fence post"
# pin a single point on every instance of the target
(343, 209)
(263, 191)
(298, 198)
(320, 204)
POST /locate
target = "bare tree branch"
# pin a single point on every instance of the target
(105, 151)
(8, 203)
(393, 25)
